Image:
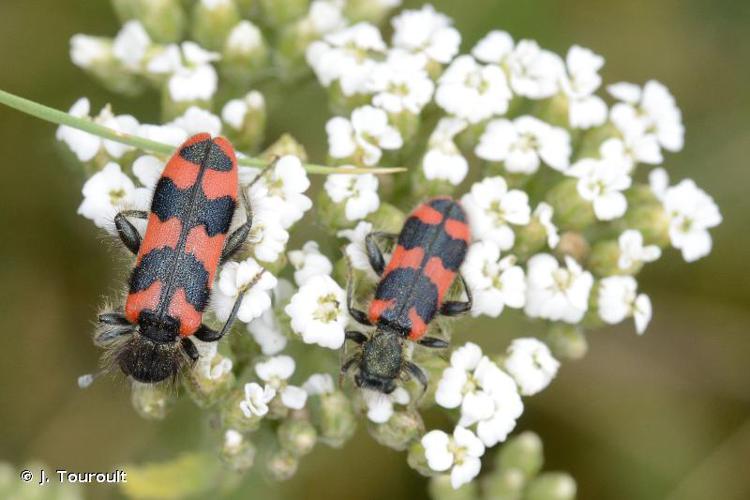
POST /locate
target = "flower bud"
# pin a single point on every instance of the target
(173, 106)
(245, 54)
(574, 244)
(151, 401)
(374, 11)
(285, 145)
(245, 120)
(334, 418)
(504, 485)
(604, 260)
(571, 211)
(399, 431)
(237, 451)
(297, 436)
(282, 465)
(647, 215)
(164, 20)
(433, 365)
(524, 453)
(209, 380)
(567, 341)
(422, 187)
(281, 12)
(530, 239)
(551, 486)
(232, 416)
(387, 218)
(212, 22)
(332, 214)
(440, 488)
(417, 459)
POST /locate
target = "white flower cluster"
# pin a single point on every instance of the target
(560, 222)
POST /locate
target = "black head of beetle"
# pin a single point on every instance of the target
(150, 351)
(380, 362)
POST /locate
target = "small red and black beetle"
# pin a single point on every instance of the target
(430, 249)
(176, 261)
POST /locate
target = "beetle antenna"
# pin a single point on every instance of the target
(266, 169)
(85, 380)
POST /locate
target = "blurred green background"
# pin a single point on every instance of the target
(666, 415)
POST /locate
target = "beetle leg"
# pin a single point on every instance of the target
(356, 337)
(433, 342)
(348, 364)
(190, 349)
(454, 307)
(128, 233)
(358, 315)
(206, 334)
(415, 371)
(374, 254)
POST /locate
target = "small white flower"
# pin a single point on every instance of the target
(85, 145)
(428, 32)
(443, 160)
(234, 111)
(380, 406)
(309, 262)
(632, 250)
(579, 83)
(534, 72)
(356, 250)
(401, 83)
(365, 135)
(211, 365)
(130, 45)
(655, 108)
(531, 364)
(318, 383)
(236, 277)
(618, 299)
(491, 209)
(167, 134)
(148, 169)
(472, 91)
(554, 292)
(318, 312)
(495, 48)
(86, 51)
(285, 184)
(494, 282)
(266, 330)
(245, 37)
(105, 193)
(461, 453)
(601, 182)
(543, 213)
(192, 77)
(276, 372)
(692, 212)
(232, 441)
(346, 56)
(487, 396)
(325, 16)
(359, 193)
(267, 236)
(196, 120)
(524, 143)
(256, 399)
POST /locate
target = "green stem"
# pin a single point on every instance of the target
(61, 118)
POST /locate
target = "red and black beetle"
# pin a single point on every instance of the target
(429, 251)
(176, 261)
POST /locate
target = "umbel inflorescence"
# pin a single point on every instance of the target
(558, 174)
